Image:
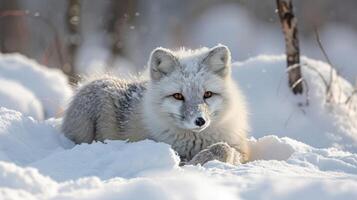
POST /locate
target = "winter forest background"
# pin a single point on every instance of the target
(88, 36)
(303, 146)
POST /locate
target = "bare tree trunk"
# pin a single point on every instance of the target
(116, 22)
(73, 21)
(14, 35)
(120, 14)
(289, 26)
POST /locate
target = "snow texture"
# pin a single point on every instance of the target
(22, 100)
(312, 155)
(49, 86)
(309, 118)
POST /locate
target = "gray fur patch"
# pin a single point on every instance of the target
(126, 101)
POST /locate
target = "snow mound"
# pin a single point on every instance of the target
(22, 100)
(49, 86)
(297, 153)
(118, 158)
(39, 163)
(302, 159)
(316, 118)
(24, 140)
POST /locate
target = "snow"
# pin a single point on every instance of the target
(321, 124)
(22, 100)
(299, 151)
(49, 86)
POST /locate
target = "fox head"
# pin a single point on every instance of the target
(190, 89)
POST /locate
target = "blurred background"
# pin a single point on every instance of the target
(91, 36)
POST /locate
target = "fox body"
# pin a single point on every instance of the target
(190, 102)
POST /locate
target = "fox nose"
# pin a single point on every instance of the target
(200, 121)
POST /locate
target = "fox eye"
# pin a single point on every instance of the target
(207, 94)
(178, 96)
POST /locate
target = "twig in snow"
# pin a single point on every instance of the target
(354, 92)
(329, 93)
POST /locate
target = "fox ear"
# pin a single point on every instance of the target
(219, 60)
(162, 62)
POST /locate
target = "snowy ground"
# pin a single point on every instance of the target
(300, 151)
(20, 76)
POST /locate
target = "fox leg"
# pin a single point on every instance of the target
(220, 151)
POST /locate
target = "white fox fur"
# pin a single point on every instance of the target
(112, 108)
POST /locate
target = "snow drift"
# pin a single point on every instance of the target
(48, 86)
(22, 100)
(303, 147)
(317, 118)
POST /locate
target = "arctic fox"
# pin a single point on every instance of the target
(189, 102)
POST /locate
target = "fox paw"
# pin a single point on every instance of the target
(219, 151)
